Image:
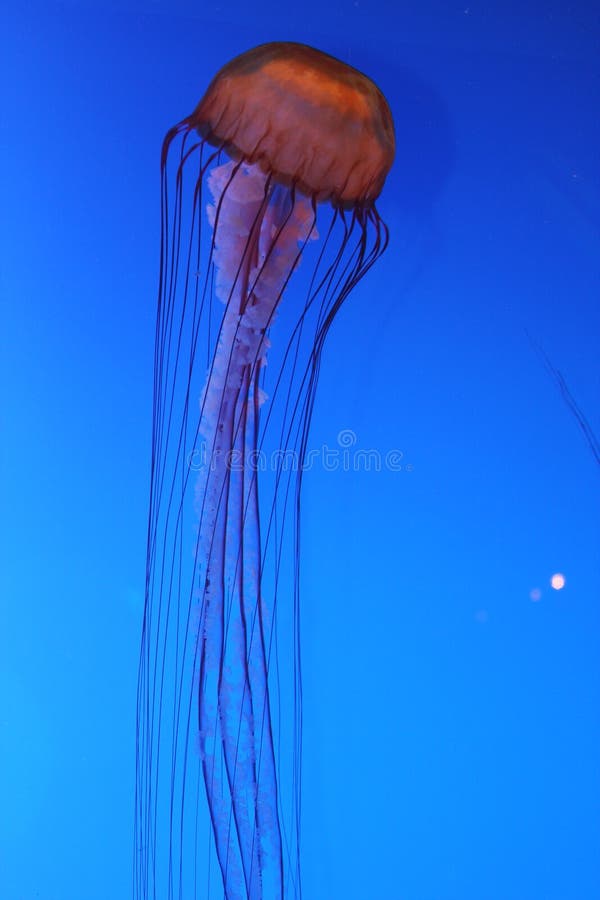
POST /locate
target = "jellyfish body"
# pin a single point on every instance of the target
(281, 129)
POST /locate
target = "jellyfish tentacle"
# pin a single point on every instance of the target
(224, 405)
(212, 639)
(225, 700)
(262, 229)
(267, 835)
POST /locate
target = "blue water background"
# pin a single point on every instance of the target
(452, 722)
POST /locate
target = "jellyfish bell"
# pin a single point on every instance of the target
(304, 117)
(268, 188)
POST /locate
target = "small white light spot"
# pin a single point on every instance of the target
(558, 581)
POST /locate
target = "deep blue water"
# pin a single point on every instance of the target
(451, 696)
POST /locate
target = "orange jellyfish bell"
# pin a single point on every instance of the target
(305, 117)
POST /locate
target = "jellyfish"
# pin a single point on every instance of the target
(267, 189)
